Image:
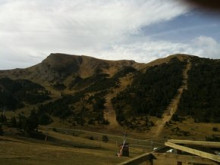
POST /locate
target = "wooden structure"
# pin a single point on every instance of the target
(124, 150)
(181, 152)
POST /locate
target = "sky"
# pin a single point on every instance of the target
(140, 30)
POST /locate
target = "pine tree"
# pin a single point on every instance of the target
(13, 122)
(1, 130)
(3, 119)
(105, 138)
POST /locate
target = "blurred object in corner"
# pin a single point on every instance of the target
(211, 5)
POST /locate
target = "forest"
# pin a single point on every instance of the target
(149, 94)
(15, 93)
(202, 99)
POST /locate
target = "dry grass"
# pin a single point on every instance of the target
(109, 112)
(62, 149)
(197, 131)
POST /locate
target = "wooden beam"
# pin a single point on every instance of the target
(197, 143)
(183, 158)
(139, 159)
(194, 151)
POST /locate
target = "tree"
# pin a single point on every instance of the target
(3, 119)
(105, 138)
(1, 130)
(45, 119)
(28, 124)
(13, 122)
(32, 122)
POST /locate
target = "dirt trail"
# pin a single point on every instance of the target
(109, 112)
(172, 108)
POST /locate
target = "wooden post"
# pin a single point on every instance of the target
(196, 143)
(140, 159)
(45, 138)
(194, 151)
(179, 163)
(149, 162)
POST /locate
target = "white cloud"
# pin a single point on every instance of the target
(31, 29)
(148, 50)
(208, 46)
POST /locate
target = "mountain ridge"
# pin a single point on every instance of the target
(59, 65)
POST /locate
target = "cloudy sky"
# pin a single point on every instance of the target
(140, 30)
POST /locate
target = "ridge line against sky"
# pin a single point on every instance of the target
(140, 30)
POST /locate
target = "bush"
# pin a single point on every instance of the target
(213, 138)
(91, 138)
(28, 124)
(215, 129)
(45, 119)
(175, 117)
(106, 122)
(59, 86)
(13, 122)
(105, 138)
(3, 119)
(1, 130)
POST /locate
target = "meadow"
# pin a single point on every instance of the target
(66, 146)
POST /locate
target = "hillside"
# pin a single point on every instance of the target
(59, 67)
(15, 93)
(202, 98)
(80, 91)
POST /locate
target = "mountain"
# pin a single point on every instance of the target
(85, 91)
(58, 67)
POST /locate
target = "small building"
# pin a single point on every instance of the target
(181, 152)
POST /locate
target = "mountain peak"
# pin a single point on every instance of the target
(181, 56)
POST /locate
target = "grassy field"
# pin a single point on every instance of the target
(83, 147)
(67, 147)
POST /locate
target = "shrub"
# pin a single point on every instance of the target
(1, 130)
(45, 119)
(213, 138)
(13, 122)
(105, 138)
(91, 138)
(175, 117)
(28, 124)
(215, 129)
(3, 119)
